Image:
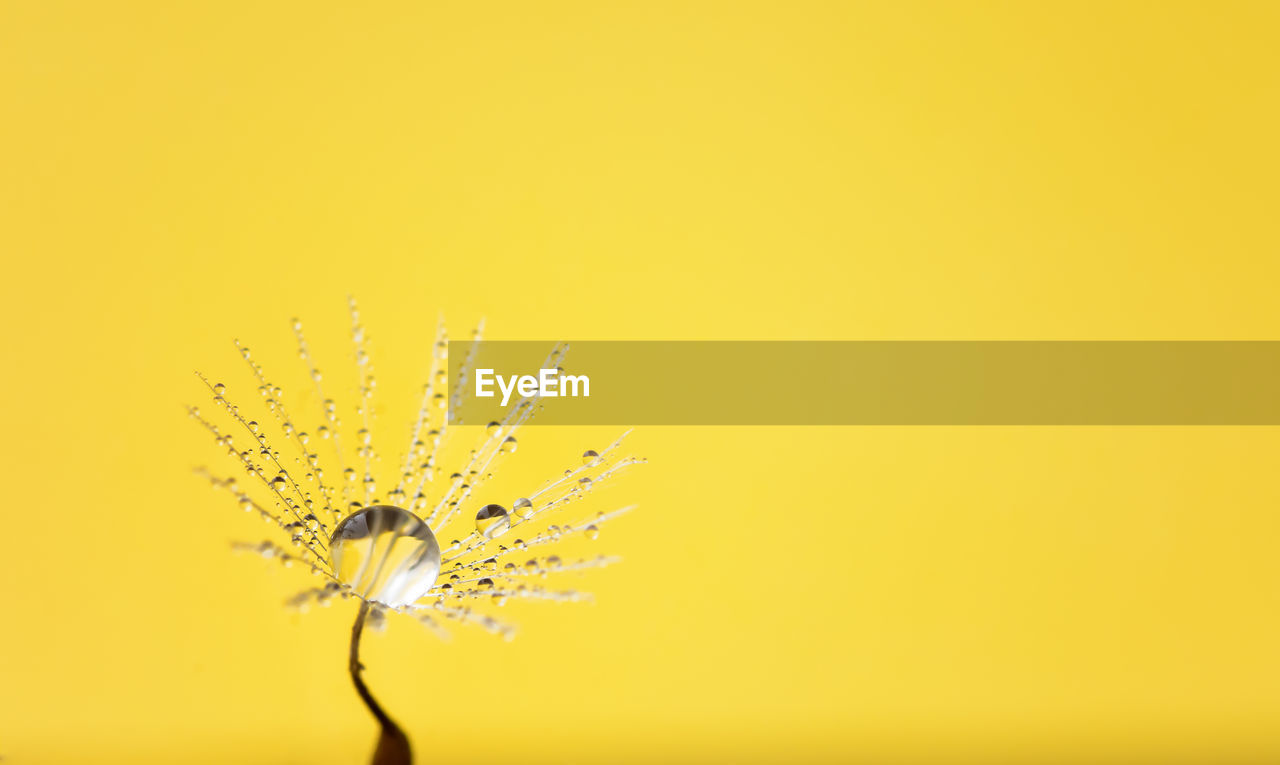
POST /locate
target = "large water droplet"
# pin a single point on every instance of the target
(492, 521)
(385, 554)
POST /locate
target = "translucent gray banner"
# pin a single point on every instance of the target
(867, 383)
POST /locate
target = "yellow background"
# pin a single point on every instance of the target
(175, 175)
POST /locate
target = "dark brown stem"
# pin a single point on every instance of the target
(393, 745)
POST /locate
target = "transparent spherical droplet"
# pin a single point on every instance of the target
(509, 445)
(492, 521)
(219, 389)
(591, 532)
(522, 508)
(590, 457)
(253, 425)
(385, 554)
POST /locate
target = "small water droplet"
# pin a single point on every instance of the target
(522, 508)
(492, 521)
(590, 457)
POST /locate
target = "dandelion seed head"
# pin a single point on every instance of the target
(386, 552)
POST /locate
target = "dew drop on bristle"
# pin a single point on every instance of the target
(492, 521)
(385, 554)
(522, 508)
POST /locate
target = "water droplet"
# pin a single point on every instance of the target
(590, 457)
(509, 445)
(492, 521)
(278, 483)
(219, 389)
(591, 532)
(522, 508)
(385, 554)
(253, 426)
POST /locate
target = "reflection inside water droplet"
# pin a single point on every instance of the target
(385, 554)
(492, 521)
